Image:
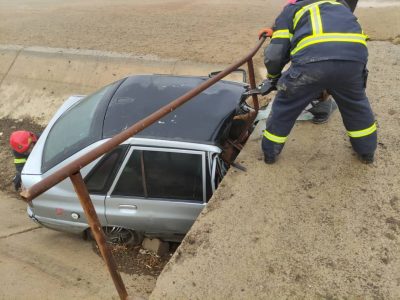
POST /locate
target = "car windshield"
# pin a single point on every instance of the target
(75, 129)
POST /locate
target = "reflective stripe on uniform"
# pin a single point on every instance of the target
(282, 34)
(313, 20)
(306, 8)
(318, 35)
(274, 138)
(273, 76)
(363, 132)
(19, 160)
(318, 21)
(330, 37)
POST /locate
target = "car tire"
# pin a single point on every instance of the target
(120, 236)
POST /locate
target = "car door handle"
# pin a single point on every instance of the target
(127, 207)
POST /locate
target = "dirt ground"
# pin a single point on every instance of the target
(214, 31)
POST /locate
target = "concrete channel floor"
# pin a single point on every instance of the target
(316, 225)
(38, 263)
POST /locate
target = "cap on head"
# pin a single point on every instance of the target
(21, 140)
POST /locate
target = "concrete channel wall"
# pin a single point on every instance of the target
(34, 81)
(318, 224)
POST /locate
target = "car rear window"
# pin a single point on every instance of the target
(77, 128)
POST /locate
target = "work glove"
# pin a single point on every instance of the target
(267, 86)
(273, 79)
(263, 88)
(265, 32)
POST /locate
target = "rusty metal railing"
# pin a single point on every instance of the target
(72, 170)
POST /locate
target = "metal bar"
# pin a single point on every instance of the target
(95, 226)
(144, 182)
(252, 78)
(256, 105)
(84, 160)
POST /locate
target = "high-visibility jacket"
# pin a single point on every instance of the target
(310, 31)
(20, 160)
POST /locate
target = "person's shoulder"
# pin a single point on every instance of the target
(288, 11)
(291, 8)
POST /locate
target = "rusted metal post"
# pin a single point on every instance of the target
(256, 105)
(95, 226)
(252, 79)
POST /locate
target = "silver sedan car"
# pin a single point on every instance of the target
(154, 184)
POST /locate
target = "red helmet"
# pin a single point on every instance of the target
(21, 140)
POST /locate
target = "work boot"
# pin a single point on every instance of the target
(322, 110)
(269, 159)
(367, 158)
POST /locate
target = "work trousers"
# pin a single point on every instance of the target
(302, 83)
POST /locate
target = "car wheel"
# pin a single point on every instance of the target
(121, 236)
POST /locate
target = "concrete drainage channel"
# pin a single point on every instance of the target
(34, 82)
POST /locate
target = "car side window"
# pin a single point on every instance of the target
(99, 180)
(173, 175)
(162, 175)
(130, 182)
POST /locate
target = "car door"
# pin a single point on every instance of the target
(99, 179)
(158, 191)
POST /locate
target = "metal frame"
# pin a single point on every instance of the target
(154, 149)
(172, 144)
(72, 170)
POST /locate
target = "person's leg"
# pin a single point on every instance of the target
(355, 109)
(17, 178)
(296, 89)
(322, 108)
(17, 181)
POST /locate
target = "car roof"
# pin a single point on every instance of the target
(202, 120)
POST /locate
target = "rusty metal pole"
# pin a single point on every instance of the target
(252, 79)
(95, 226)
(256, 105)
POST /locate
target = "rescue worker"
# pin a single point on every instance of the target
(328, 51)
(21, 143)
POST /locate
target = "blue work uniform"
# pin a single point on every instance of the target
(19, 162)
(328, 51)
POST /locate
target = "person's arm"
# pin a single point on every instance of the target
(277, 54)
